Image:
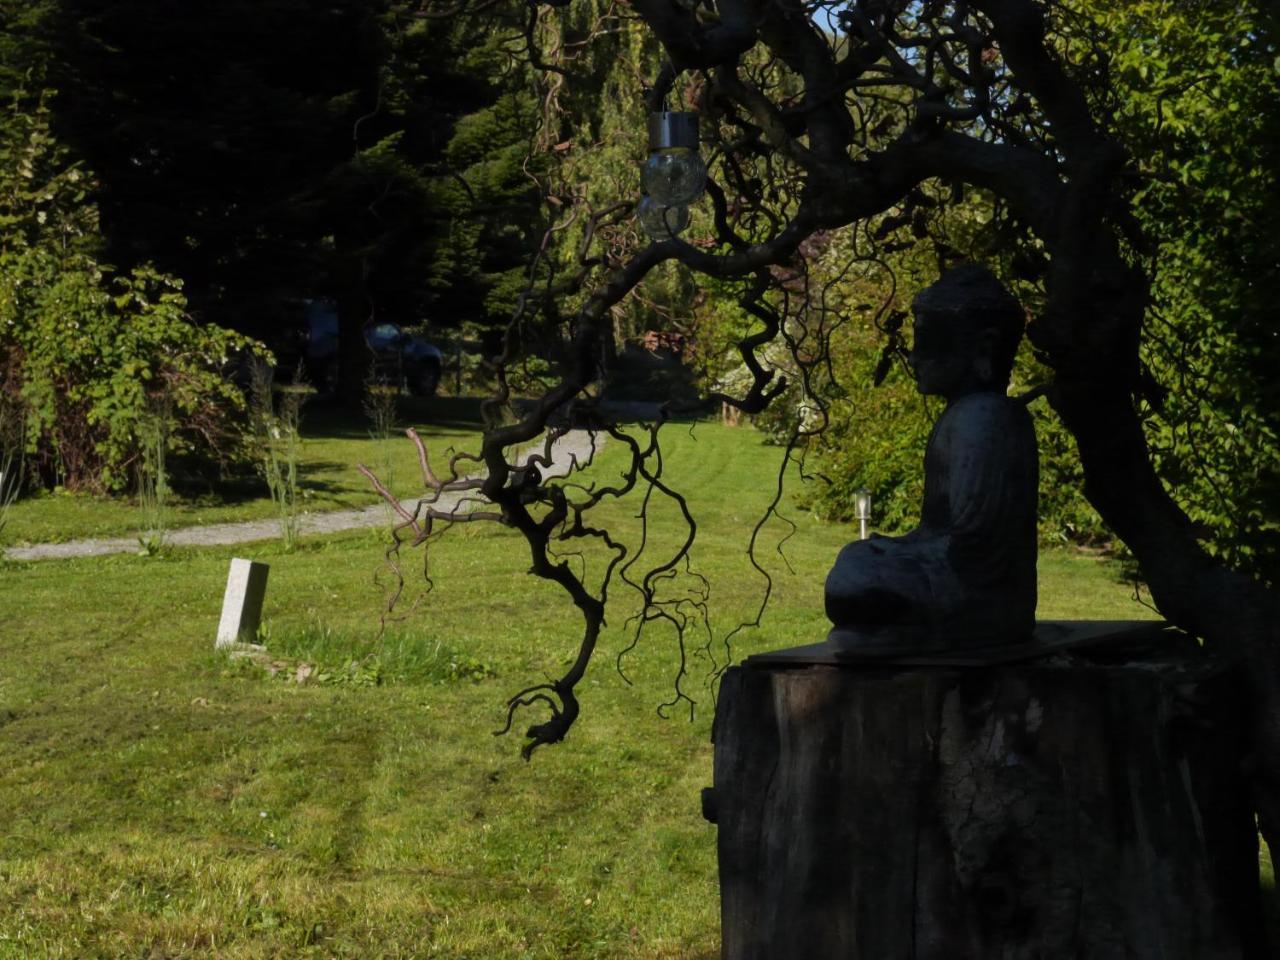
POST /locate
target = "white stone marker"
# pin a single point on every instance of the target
(242, 603)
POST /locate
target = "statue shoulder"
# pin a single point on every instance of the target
(992, 411)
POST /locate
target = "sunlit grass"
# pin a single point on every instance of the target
(161, 800)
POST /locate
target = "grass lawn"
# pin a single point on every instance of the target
(162, 801)
(334, 440)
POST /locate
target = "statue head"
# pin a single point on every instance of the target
(966, 332)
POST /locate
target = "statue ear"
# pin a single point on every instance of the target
(985, 345)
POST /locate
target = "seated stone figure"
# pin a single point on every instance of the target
(966, 576)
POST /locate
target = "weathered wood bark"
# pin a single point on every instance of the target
(1064, 808)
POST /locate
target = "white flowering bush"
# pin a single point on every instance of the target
(795, 408)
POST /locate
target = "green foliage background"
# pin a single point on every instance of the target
(1192, 93)
(1195, 94)
(90, 355)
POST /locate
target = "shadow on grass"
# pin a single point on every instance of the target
(202, 483)
(336, 419)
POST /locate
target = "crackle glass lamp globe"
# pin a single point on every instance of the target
(661, 222)
(674, 174)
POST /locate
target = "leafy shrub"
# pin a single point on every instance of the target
(793, 409)
(276, 439)
(91, 352)
(875, 439)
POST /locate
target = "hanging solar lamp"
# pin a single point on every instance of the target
(659, 222)
(674, 174)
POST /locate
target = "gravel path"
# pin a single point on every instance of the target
(576, 443)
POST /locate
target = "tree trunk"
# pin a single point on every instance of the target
(354, 311)
(1235, 614)
(1076, 806)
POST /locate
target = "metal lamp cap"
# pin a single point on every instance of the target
(671, 128)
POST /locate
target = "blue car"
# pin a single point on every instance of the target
(396, 357)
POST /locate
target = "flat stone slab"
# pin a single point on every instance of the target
(1050, 637)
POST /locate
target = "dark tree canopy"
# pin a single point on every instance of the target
(268, 152)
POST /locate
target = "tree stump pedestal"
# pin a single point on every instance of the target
(1087, 803)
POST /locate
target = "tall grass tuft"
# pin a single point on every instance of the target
(379, 406)
(344, 656)
(277, 413)
(13, 438)
(153, 478)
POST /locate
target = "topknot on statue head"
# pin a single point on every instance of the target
(970, 301)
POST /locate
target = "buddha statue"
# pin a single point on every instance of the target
(966, 576)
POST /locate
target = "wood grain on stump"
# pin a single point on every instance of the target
(1072, 807)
